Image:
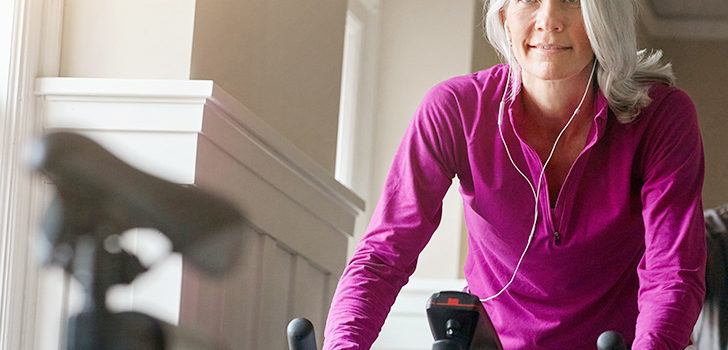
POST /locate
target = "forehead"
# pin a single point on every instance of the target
(506, 3)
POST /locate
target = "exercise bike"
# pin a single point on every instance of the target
(457, 321)
(98, 197)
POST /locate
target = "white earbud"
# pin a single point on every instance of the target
(505, 29)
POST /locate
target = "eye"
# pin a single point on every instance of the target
(528, 1)
(572, 3)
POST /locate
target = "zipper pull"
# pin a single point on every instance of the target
(557, 238)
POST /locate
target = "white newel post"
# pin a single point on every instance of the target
(28, 29)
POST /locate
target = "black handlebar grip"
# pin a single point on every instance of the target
(301, 335)
(611, 340)
(446, 344)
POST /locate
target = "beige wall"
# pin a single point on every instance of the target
(701, 70)
(282, 59)
(422, 42)
(148, 39)
(484, 56)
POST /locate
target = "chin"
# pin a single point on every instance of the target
(550, 75)
(552, 72)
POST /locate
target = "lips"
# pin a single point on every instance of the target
(549, 47)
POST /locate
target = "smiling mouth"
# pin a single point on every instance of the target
(549, 47)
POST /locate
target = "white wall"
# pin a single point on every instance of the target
(127, 38)
(422, 42)
(484, 56)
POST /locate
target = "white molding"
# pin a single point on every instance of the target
(76, 103)
(346, 156)
(371, 5)
(367, 103)
(143, 121)
(20, 194)
(192, 91)
(285, 153)
(683, 28)
(362, 128)
(51, 38)
(315, 213)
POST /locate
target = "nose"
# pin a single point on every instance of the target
(549, 17)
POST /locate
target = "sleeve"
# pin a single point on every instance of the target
(408, 212)
(672, 270)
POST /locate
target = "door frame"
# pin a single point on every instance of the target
(30, 32)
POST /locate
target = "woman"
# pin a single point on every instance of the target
(607, 234)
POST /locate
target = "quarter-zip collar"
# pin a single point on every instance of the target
(552, 217)
(601, 106)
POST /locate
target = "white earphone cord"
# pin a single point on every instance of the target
(537, 191)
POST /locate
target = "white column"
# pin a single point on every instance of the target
(21, 25)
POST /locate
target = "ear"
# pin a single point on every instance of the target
(505, 29)
(503, 20)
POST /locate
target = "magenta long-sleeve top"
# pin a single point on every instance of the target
(622, 249)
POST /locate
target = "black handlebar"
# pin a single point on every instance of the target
(611, 340)
(301, 335)
(458, 322)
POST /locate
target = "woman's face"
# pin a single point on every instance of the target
(548, 38)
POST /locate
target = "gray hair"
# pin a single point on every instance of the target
(624, 74)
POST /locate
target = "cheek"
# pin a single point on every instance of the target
(582, 39)
(518, 39)
(518, 24)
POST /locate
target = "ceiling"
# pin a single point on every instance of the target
(686, 19)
